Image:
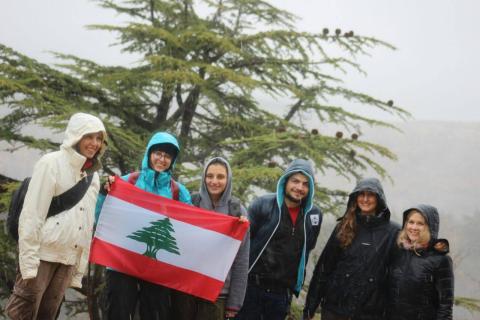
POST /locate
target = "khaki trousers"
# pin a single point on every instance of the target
(40, 297)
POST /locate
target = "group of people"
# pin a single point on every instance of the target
(370, 268)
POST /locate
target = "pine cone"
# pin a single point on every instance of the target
(354, 136)
(325, 31)
(339, 134)
(314, 132)
(390, 103)
(338, 32)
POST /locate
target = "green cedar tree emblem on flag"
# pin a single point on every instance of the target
(158, 236)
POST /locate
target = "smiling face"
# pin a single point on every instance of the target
(90, 144)
(296, 189)
(367, 202)
(415, 226)
(216, 180)
(160, 160)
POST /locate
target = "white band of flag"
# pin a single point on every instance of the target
(165, 241)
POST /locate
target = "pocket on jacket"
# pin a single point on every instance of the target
(58, 229)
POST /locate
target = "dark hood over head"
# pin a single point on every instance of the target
(372, 185)
(297, 166)
(430, 214)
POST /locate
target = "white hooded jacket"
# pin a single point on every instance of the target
(64, 238)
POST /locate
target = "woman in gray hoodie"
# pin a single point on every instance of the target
(216, 195)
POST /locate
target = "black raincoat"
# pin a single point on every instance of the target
(266, 214)
(421, 281)
(351, 282)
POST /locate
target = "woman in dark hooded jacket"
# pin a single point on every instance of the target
(216, 195)
(421, 273)
(350, 276)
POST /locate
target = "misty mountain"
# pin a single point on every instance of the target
(438, 163)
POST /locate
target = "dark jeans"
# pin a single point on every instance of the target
(188, 307)
(123, 292)
(327, 315)
(265, 304)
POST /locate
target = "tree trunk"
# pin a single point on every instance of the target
(189, 108)
(163, 106)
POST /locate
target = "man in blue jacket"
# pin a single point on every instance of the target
(284, 227)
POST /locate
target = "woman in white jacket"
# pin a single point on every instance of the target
(53, 252)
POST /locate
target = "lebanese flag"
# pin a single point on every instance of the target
(165, 241)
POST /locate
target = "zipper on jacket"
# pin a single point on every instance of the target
(271, 235)
(293, 231)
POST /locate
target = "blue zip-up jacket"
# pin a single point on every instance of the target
(152, 181)
(265, 216)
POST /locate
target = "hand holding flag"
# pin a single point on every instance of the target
(165, 241)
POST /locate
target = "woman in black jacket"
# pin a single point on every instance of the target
(349, 280)
(421, 274)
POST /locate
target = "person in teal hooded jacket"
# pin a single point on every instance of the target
(155, 176)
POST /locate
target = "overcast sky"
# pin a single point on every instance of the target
(433, 74)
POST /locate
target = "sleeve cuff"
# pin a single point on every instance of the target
(29, 274)
(29, 271)
(76, 281)
(232, 309)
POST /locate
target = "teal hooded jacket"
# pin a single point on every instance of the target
(152, 181)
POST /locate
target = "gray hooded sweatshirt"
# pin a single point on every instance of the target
(236, 282)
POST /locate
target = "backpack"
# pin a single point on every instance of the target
(234, 205)
(133, 177)
(60, 203)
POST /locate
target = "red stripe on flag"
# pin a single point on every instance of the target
(154, 271)
(177, 210)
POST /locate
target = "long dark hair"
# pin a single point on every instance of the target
(347, 227)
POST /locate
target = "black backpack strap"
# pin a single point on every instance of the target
(71, 197)
(65, 201)
(196, 198)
